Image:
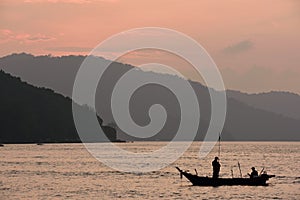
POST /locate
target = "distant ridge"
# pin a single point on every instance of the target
(283, 103)
(250, 117)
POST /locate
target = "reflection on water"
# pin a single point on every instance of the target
(60, 171)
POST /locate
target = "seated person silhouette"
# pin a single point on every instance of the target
(254, 173)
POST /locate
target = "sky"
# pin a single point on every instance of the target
(255, 43)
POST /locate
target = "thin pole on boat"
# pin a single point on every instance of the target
(240, 169)
(219, 144)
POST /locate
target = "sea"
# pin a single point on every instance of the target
(69, 171)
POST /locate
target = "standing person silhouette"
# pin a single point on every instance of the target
(216, 167)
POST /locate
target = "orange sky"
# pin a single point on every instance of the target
(255, 43)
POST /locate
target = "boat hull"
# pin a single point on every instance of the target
(208, 181)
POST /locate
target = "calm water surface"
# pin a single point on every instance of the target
(68, 171)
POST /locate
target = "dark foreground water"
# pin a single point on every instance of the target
(68, 171)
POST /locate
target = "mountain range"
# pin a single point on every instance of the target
(266, 116)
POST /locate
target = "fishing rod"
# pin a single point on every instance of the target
(219, 144)
(262, 171)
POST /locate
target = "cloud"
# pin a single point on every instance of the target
(70, 49)
(239, 47)
(67, 1)
(57, 1)
(262, 79)
(5, 32)
(39, 37)
(7, 35)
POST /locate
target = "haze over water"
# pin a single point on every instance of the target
(68, 171)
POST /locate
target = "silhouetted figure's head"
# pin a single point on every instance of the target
(216, 158)
(253, 168)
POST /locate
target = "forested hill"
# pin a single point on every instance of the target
(35, 115)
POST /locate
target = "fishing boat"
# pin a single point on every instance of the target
(196, 180)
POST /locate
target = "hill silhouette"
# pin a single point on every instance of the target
(283, 103)
(37, 115)
(247, 119)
